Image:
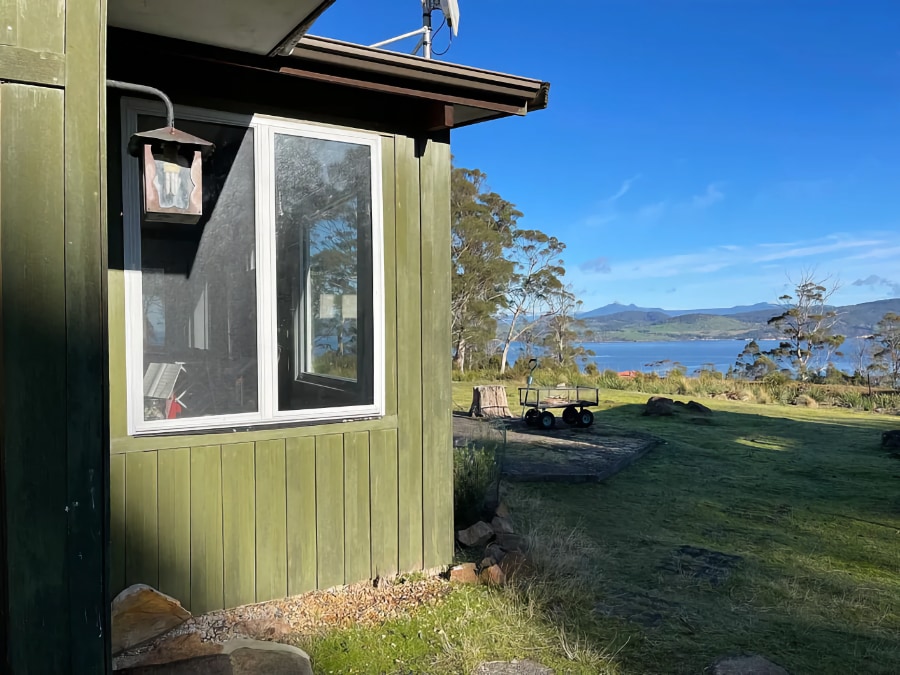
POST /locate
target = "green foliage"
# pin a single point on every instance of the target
(753, 364)
(475, 469)
(886, 351)
(482, 229)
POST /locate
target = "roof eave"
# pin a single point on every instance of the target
(534, 93)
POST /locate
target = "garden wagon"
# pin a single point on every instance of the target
(536, 403)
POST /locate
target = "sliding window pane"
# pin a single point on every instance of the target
(323, 219)
(199, 290)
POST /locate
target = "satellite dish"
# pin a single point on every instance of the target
(450, 10)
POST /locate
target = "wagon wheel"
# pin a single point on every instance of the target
(570, 415)
(585, 418)
(547, 420)
(531, 417)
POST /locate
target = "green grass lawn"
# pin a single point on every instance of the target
(806, 498)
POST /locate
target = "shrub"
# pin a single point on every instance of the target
(610, 379)
(850, 399)
(885, 401)
(806, 401)
(762, 396)
(591, 369)
(818, 394)
(475, 469)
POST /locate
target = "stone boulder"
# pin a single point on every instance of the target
(515, 564)
(890, 440)
(749, 664)
(464, 574)
(239, 656)
(140, 613)
(695, 407)
(511, 542)
(659, 406)
(494, 552)
(169, 648)
(478, 535)
(501, 525)
(493, 576)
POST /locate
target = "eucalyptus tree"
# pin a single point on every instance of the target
(806, 326)
(536, 281)
(483, 226)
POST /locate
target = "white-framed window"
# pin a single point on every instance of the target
(270, 309)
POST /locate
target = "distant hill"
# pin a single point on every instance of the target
(616, 308)
(638, 324)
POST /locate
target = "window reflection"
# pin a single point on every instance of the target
(324, 272)
(199, 290)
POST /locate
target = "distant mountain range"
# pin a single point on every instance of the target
(618, 322)
(616, 308)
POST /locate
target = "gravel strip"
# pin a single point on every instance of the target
(362, 604)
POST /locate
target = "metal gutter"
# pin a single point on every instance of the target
(417, 69)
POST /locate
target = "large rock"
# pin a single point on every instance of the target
(478, 535)
(659, 406)
(511, 542)
(236, 657)
(170, 648)
(750, 664)
(515, 564)
(494, 552)
(501, 525)
(141, 613)
(493, 576)
(695, 407)
(890, 440)
(464, 574)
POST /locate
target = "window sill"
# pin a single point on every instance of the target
(243, 434)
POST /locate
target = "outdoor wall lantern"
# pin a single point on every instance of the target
(171, 166)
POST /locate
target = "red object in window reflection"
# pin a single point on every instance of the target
(174, 410)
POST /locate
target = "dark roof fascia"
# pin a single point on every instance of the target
(431, 73)
(350, 66)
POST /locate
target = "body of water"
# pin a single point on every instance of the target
(690, 354)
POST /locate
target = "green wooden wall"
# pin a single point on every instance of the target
(53, 470)
(220, 520)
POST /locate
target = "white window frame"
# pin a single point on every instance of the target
(264, 129)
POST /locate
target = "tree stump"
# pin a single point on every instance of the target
(489, 401)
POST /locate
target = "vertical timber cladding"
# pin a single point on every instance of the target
(32, 191)
(437, 457)
(52, 182)
(245, 517)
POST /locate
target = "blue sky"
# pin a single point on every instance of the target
(695, 153)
